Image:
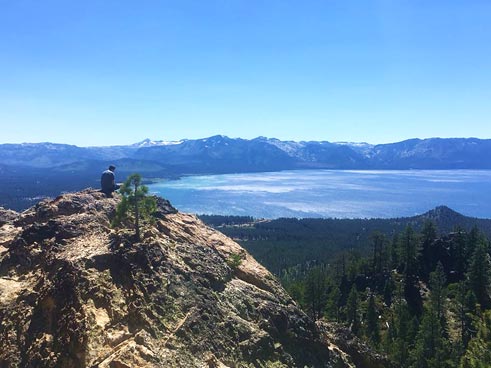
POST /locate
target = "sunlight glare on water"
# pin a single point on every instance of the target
(331, 193)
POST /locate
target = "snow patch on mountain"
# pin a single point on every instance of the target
(150, 143)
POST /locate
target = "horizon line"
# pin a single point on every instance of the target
(172, 141)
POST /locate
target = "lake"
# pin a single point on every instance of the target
(331, 193)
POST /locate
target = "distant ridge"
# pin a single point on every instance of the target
(221, 154)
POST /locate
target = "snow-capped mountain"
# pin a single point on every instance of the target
(221, 154)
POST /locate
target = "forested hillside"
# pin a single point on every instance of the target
(422, 299)
(287, 242)
(411, 290)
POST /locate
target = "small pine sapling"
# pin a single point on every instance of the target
(234, 260)
(135, 205)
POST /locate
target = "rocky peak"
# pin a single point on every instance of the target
(7, 216)
(441, 213)
(76, 293)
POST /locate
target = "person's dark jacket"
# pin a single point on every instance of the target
(107, 182)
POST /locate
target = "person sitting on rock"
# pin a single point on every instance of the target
(108, 186)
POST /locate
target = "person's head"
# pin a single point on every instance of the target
(112, 167)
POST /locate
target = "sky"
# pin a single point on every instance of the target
(110, 72)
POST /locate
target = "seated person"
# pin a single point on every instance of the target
(107, 181)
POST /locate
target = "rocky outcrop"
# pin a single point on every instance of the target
(7, 216)
(76, 293)
(354, 352)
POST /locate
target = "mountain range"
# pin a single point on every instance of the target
(33, 170)
(220, 154)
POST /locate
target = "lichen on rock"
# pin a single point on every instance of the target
(77, 293)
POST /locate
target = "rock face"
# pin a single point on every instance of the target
(76, 293)
(353, 350)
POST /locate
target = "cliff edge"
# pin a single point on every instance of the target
(76, 293)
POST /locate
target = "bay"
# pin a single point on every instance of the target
(331, 193)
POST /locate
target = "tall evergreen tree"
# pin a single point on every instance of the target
(429, 252)
(464, 306)
(315, 291)
(459, 253)
(409, 250)
(480, 274)
(478, 354)
(432, 348)
(401, 330)
(378, 241)
(438, 293)
(388, 290)
(352, 310)
(393, 252)
(372, 324)
(473, 239)
(333, 305)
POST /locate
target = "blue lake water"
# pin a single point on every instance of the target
(331, 193)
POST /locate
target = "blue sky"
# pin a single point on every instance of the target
(115, 72)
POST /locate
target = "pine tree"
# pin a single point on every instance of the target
(333, 304)
(458, 253)
(296, 290)
(473, 239)
(388, 290)
(315, 291)
(430, 257)
(438, 293)
(401, 331)
(135, 204)
(393, 252)
(409, 251)
(372, 325)
(478, 354)
(352, 310)
(432, 349)
(480, 274)
(378, 241)
(464, 307)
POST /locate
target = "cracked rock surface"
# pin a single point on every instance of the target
(76, 293)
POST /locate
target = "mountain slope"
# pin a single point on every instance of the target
(76, 293)
(447, 220)
(434, 153)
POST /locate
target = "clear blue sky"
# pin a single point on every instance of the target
(100, 72)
